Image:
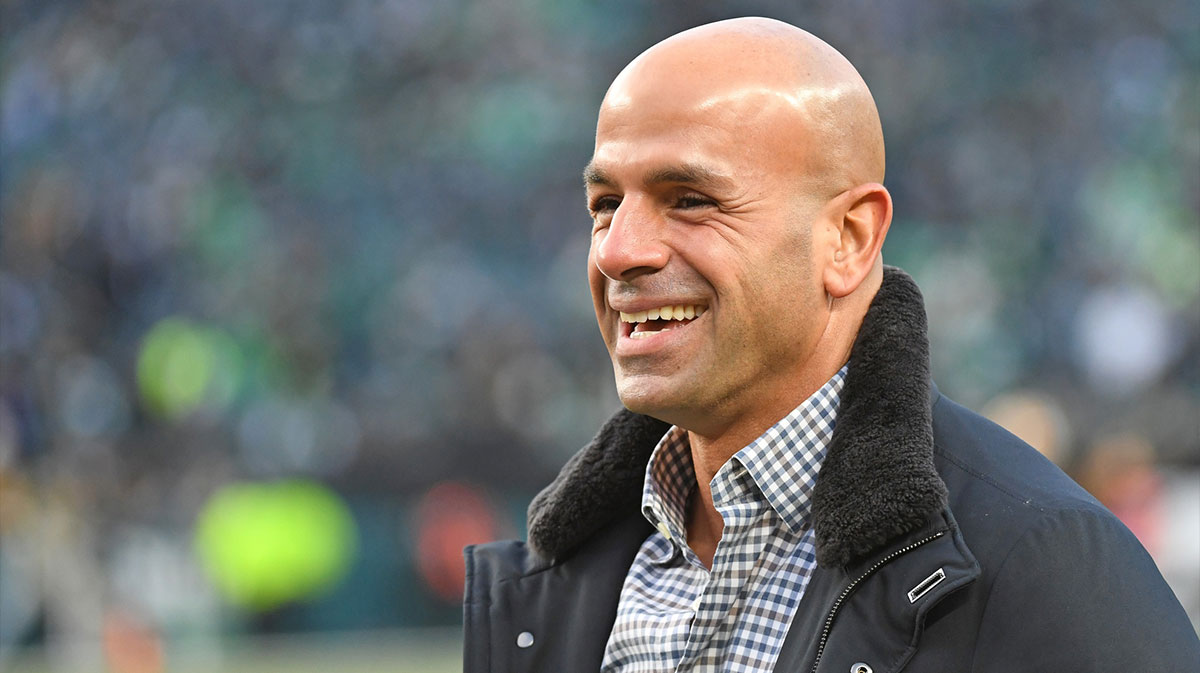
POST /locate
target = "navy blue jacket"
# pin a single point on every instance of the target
(944, 544)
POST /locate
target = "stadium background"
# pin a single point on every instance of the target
(292, 298)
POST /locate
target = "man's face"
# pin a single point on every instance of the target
(700, 208)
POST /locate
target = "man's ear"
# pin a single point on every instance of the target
(861, 217)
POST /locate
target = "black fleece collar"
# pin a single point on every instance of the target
(877, 482)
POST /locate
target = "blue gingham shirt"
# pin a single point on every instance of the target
(676, 615)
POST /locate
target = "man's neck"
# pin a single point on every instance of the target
(710, 453)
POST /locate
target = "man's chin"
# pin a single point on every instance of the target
(657, 401)
(641, 401)
(672, 400)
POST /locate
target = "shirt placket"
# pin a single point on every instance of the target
(721, 586)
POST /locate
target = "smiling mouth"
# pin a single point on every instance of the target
(641, 324)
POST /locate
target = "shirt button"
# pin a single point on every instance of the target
(662, 528)
(524, 639)
(696, 604)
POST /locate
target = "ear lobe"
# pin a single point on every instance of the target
(864, 214)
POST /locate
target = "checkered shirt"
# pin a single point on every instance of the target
(676, 615)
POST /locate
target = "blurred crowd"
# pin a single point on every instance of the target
(293, 299)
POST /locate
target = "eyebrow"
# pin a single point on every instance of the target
(596, 176)
(686, 174)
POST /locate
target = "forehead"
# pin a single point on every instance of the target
(659, 140)
(674, 155)
(736, 131)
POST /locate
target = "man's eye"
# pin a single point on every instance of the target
(693, 201)
(604, 204)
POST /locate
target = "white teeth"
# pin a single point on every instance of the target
(680, 312)
(645, 333)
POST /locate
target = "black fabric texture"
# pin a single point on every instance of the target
(878, 480)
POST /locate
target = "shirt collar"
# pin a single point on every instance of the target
(783, 462)
(670, 481)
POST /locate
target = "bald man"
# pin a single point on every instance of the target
(786, 490)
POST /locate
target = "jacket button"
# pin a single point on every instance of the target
(524, 639)
(860, 667)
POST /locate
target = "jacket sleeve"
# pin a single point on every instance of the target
(1078, 593)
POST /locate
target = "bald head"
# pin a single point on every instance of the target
(776, 83)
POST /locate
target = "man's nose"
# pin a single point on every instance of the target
(632, 245)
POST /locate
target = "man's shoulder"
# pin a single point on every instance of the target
(504, 559)
(999, 466)
(613, 543)
(1001, 490)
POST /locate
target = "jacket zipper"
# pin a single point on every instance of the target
(853, 585)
